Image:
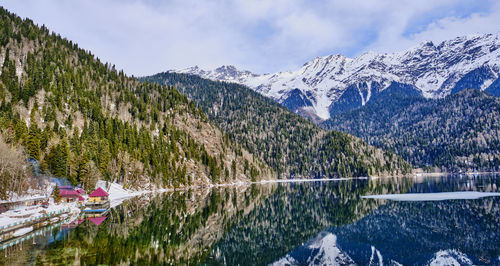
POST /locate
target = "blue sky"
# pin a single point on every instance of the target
(146, 37)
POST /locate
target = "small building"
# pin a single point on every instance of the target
(81, 199)
(68, 195)
(97, 220)
(98, 196)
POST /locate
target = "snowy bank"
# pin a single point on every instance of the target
(31, 194)
(118, 194)
(30, 214)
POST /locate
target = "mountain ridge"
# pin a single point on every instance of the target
(433, 69)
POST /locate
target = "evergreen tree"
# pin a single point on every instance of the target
(56, 194)
(33, 145)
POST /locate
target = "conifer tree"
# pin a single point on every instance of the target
(33, 142)
(56, 194)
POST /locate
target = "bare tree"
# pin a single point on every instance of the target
(15, 175)
(90, 176)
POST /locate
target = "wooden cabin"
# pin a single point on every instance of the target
(98, 196)
(68, 195)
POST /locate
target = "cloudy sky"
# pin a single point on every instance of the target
(150, 36)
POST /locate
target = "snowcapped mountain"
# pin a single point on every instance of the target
(333, 84)
(322, 250)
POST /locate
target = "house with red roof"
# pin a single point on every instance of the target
(98, 196)
(68, 195)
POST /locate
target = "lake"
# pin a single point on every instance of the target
(309, 223)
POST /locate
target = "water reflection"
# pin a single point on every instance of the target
(295, 223)
(173, 228)
(294, 214)
(465, 232)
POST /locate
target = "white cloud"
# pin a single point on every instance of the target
(393, 38)
(145, 37)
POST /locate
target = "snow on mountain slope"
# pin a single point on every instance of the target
(321, 250)
(324, 249)
(449, 257)
(434, 70)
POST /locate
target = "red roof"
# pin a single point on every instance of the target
(99, 192)
(77, 222)
(68, 193)
(80, 198)
(97, 220)
(80, 191)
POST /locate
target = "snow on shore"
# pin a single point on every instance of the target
(118, 194)
(21, 215)
(31, 194)
(466, 195)
(23, 231)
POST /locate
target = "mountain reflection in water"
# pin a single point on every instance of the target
(286, 223)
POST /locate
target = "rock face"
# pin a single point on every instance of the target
(334, 84)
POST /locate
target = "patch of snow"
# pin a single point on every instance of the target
(379, 256)
(329, 253)
(117, 194)
(449, 257)
(22, 231)
(486, 84)
(31, 194)
(18, 216)
(459, 195)
(363, 102)
(326, 251)
(287, 260)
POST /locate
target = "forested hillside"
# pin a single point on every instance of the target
(459, 132)
(291, 145)
(84, 120)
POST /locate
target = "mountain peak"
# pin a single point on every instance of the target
(226, 68)
(228, 73)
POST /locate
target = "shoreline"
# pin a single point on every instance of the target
(454, 173)
(117, 194)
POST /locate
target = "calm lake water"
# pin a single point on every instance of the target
(285, 224)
